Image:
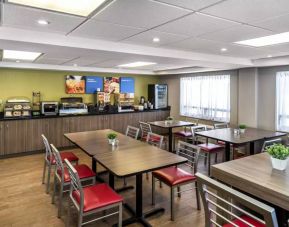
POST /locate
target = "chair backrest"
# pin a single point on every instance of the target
(195, 129)
(190, 152)
(132, 132)
(193, 120)
(221, 125)
(268, 143)
(58, 161)
(75, 185)
(155, 139)
(48, 152)
(145, 129)
(223, 204)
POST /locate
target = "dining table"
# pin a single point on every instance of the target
(230, 137)
(129, 157)
(169, 125)
(255, 176)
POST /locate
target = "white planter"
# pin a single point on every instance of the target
(242, 130)
(111, 141)
(169, 122)
(279, 164)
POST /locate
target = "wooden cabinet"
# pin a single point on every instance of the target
(17, 136)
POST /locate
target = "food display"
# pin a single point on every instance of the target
(17, 107)
(75, 84)
(111, 85)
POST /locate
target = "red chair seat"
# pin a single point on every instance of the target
(83, 172)
(64, 155)
(97, 196)
(210, 147)
(183, 134)
(173, 175)
(222, 143)
(152, 138)
(242, 224)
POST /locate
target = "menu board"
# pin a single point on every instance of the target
(75, 84)
(111, 85)
(93, 84)
(127, 85)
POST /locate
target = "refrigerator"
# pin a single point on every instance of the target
(158, 95)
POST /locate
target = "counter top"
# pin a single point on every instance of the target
(76, 115)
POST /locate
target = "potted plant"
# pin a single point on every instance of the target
(242, 128)
(169, 120)
(279, 156)
(111, 137)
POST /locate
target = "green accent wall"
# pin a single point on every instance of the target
(51, 84)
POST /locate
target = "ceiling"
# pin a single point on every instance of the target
(191, 32)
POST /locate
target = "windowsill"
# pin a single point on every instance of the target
(204, 119)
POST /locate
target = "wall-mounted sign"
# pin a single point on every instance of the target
(127, 85)
(111, 85)
(93, 84)
(75, 84)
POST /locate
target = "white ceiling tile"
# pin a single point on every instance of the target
(191, 4)
(26, 18)
(85, 61)
(276, 24)
(51, 61)
(146, 38)
(249, 10)
(102, 30)
(140, 13)
(195, 24)
(236, 33)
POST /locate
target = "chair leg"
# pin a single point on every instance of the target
(54, 189)
(48, 179)
(205, 158)
(44, 172)
(209, 164)
(124, 182)
(120, 215)
(147, 176)
(197, 196)
(216, 157)
(153, 190)
(80, 219)
(68, 213)
(172, 204)
(179, 191)
(60, 200)
(161, 184)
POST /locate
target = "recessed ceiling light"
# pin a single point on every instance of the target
(266, 40)
(269, 56)
(77, 7)
(224, 49)
(43, 22)
(20, 55)
(156, 40)
(75, 65)
(137, 64)
(17, 61)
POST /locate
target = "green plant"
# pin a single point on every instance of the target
(170, 118)
(111, 136)
(278, 151)
(242, 126)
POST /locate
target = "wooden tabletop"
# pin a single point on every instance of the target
(174, 124)
(254, 175)
(250, 135)
(129, 158)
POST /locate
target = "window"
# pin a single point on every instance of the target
(282, 101)
(206, 97)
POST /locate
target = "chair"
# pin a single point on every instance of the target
(145, 128)
(91, 199)
(61, 177)
(207, 148)
(49, 161)
(268, 143)
(132, 132)
(227, 207)
(155, 139)
(175, 177)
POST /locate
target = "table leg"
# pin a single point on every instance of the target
(111, 180)
(93, 165)
(252, 148)
(170, 140)
(227, 151)
(282, 217)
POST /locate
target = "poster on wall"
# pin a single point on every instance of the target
(75, 84)
(111, 85)
(127, 85)
(93, 84)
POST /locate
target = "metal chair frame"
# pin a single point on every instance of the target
(76, 186)
(132, 132)
(47, 163)
(60, 180)
(150, 141)
(191, 152)
(268, 143)
(145, 128)
(221, 125)
(222, 204)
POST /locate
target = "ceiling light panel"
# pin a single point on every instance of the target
(266, 40)
(136, 64)
(20, 55)
(76, 7)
